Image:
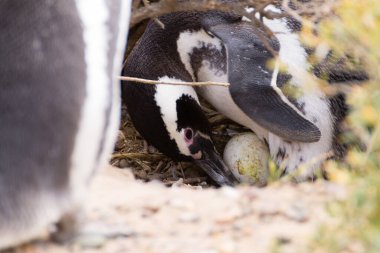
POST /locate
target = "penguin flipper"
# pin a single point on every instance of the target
(251, 84)
(266, 107)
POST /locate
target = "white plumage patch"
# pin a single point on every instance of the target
(95, 15)
(220, 98)
(189, 40)
(114, 117)
(166, 98)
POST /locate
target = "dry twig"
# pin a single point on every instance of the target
(162, 7)
(138, 156)
(154, 82)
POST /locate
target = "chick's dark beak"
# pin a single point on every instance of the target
(213, 165)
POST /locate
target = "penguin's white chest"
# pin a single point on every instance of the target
(221, 99)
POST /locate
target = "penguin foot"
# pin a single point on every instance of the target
(67, 228)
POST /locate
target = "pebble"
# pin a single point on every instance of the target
(203, 184)
(141, 174)
(178, 183)
(91, 241)
(284, 240)
(152, 207)
(123, 163)
(96, 235)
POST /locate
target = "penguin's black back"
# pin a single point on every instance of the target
(157, 48)
(42, 77)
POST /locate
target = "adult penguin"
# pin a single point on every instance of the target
(222, 47)
(170, 116)
(59, 108)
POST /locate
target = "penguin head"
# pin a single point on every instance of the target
(189, 128)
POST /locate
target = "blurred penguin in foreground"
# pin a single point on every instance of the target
(59, 108)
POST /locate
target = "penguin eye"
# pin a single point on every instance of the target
(188, 134)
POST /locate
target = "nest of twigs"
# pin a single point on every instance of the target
(147, 163)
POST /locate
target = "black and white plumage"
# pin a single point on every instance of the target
(59, 106)
(217, 46)
(297, 130)
(255, 89)
(170, 117)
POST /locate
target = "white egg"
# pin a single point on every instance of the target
(247, 156)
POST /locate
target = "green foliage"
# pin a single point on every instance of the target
(356, 29)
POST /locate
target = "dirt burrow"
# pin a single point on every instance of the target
(152, 218)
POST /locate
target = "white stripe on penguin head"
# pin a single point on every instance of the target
(189, 40)
(166, 98)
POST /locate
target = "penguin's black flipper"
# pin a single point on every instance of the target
(251, 84)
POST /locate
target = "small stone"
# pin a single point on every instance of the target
(178, 183)
(152, 207)
(123, 163)
(203, 184)
(283, 240)
(91, 241)
(141, 174)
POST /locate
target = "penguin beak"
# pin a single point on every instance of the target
(213, 165)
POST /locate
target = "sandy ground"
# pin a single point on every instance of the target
(152, 218)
